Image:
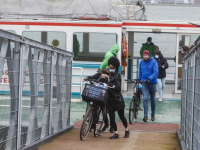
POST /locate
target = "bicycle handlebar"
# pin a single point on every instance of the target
(93, 81)
(135, 81)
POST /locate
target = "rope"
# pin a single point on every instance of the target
(49, 8)
(40, 7)
(93, 8)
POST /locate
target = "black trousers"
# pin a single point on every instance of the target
(121, 116)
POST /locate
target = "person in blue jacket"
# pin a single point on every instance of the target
(148, 72)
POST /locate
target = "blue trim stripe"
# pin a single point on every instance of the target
(27, 93)
(86, 65)
(91, 66)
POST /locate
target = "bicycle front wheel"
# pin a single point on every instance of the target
(101, 114)
(86, 124)
(132, 110)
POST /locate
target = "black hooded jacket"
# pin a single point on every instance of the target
(115, 99)
(162, 62)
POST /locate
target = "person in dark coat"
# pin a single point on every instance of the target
(115, 99)
(162, 66)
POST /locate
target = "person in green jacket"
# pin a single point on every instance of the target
(76, 46)
(111, 53)
(148, 46)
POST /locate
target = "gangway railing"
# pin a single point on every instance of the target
(37, 91)
(190, 102)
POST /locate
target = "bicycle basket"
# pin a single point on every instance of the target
(93, 93)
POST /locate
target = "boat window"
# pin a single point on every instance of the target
(54, 38)
(92, 46)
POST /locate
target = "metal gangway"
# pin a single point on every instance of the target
(189, 133)
(36, 96)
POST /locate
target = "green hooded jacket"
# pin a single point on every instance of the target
(110, 53)
(151, 48)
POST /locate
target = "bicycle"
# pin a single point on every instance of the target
(96, 112)
(136, 99)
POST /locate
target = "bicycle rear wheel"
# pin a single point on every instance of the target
(101, 114)
(137, 105)
(132, 110)
(86, 124)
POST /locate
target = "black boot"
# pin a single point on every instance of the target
(153, 117)
(111, 131)
(127, 134)
(145, 119)
(115, 136)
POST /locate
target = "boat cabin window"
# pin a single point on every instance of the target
(92, 46)
(54, 38)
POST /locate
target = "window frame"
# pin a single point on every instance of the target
(47, 35)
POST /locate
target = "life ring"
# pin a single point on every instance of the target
(124, 42)
(124, 55)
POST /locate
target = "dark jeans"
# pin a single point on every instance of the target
(149, 89)
(121, 116)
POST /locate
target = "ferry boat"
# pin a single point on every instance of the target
(107, 33)
(95, 37)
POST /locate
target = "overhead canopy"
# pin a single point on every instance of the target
(72, 9)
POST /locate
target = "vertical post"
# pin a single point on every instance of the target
(51, 99)
(193, 92)
(70, 85)
(176, 68)
(85, 43)
(44, 37)
(20, 98)
(137, 68)
(81, 88)
(13, 63)
(47, 92)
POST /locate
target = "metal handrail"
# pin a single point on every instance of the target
(81, 79)
(55, 64)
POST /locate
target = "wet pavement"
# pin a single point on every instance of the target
(167, 111)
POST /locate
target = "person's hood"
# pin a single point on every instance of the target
(149, 39)
(114, 49)
(147, 44)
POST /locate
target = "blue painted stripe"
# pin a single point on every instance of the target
(86, 65)
(80, 75)
(23, 93)
(75, 94)
(77, 84)
(91, 66)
